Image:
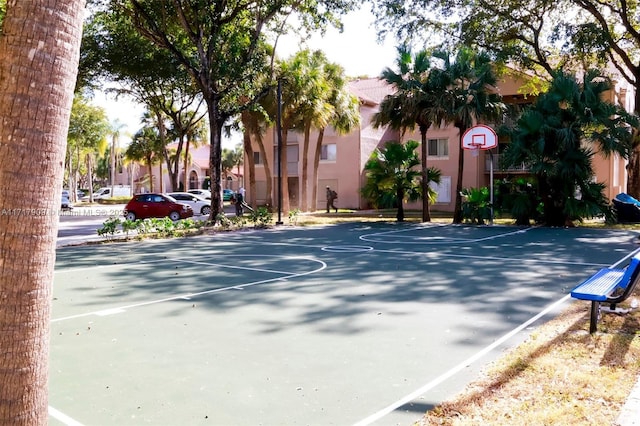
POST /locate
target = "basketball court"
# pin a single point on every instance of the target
(370, 323)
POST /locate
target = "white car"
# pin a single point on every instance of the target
(204, 193)
(196, 202)
(66, 204)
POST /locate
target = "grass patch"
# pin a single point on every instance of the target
(560, 375)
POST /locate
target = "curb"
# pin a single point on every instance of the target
(630, 414)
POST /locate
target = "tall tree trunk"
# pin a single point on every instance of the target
(457, 211)
(216, 123)
(90, 175)
(70, 180)
(400, 212)
(304, 202)
(186, 166)
(284, 176)
(267, 171)
(251, 167)
(316, 164)
(426, 215)
(150, 168)
(39, 51)
(633, 167)
(112, 158)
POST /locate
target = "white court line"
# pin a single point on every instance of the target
(226, 265)
(191, 295)
(63, 418)
(464, 364)
(439, 239)
(110, 265)
(435, 255)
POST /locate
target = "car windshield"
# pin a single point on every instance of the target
(170, 198)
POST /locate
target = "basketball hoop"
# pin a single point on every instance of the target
(477, 138)
(475, 149)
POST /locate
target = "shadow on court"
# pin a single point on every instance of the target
(322, 325)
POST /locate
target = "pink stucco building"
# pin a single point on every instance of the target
(344, 156)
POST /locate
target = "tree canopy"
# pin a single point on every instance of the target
(224, 47)
(550, 137)
(392, 177)
(540, 36)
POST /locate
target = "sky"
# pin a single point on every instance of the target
(356, 49)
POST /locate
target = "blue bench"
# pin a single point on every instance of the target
(608, 285)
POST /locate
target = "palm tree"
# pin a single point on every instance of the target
(550, 137)
(34, 110)
(87, 138)
(255, 121)
(297, 74)
(415, 102)
(116, 128)
(315, 111)
(314, 96)
(344, 115)
(467, 97)
(231, 158)
(392, 178)
(195, 135)
(146, 146)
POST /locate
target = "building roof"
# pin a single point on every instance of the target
(370, 90)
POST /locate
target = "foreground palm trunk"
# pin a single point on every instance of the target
(39, 50)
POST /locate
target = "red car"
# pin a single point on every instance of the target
(143, 206)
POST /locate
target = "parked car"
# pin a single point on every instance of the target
(143, 206)
(196, 202)
(66, 204)
(227, 194)
(67, 193)
(104, 193)
(204, 193)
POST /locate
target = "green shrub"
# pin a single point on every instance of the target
(293, 216)
(238, 221)
(224, 221)
(476, 207)
(145, 226)
(165, 227)
(130, 225)
(261, 218)
(110, 227)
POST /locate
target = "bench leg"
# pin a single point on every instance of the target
(595, 313)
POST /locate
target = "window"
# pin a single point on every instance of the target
(257, 159)
(443, 189)
(438, 147)
(328, 152)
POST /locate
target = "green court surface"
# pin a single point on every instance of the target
(344, 324)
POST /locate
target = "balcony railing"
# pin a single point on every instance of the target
(499, 165)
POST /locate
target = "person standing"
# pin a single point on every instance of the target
(239, 201)
(331, 197)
